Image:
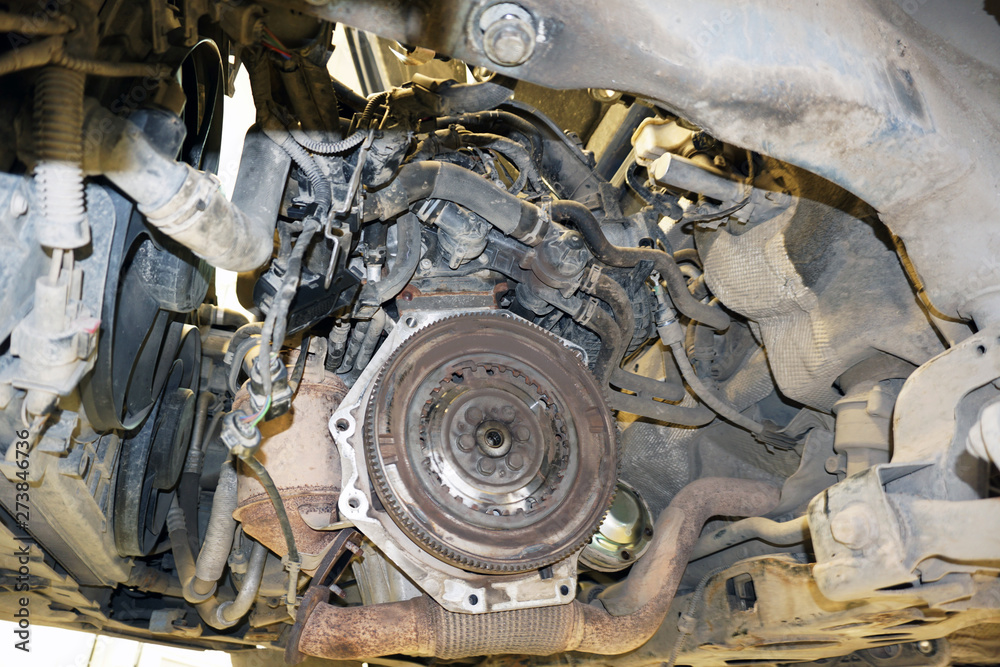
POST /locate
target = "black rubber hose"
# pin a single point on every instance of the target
(245, 332)
(440, 180)
(613, 345)
(647, 387)
(374, 294)
(347, 97)
(585, 222)
(513, 151)
(488, 120)
(689, 255)
(188, 491)
(609, 359)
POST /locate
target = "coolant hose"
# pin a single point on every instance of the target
(375, 293)
(609, 359)
(490, 119)
(585, 222)
(441, 180)
(608, 365)
(632, 610)
(520, 219)
(186, 204)
(516, 153)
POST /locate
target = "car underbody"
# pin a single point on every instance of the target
(583, 333)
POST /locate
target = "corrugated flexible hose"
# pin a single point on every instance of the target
(59, 172)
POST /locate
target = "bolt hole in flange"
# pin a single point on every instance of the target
(353, 503)
(564, 590)
(342, 425)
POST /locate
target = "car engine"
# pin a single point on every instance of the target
(585, 333)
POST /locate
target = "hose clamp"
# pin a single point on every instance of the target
(535, 236)
(588, 312)
(591, 279)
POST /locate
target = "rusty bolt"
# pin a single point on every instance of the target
(854, 526)
(508, 35)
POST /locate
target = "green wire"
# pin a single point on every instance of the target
(263, 411)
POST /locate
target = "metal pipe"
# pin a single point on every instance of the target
(230, 612)
(632, 610)
(219, 615)
(788, 533)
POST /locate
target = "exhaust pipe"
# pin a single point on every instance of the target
(630, 614)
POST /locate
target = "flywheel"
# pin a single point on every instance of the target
(490, 444)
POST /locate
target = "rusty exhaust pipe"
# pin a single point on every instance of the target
(632, 610)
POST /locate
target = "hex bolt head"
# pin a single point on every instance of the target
(854, 526)
(474, 416)
(509, 41)
(486, 466)
(515, 461)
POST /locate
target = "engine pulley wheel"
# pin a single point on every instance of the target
(490, 444)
